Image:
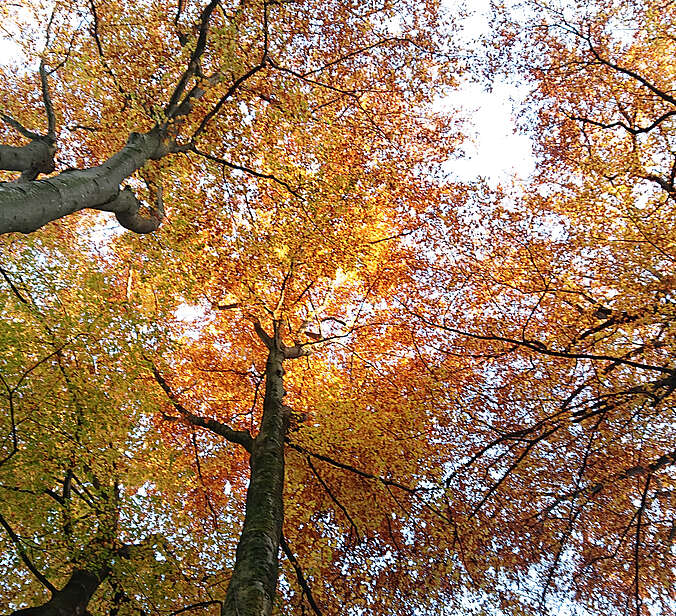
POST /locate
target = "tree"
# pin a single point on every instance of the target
(314, 116)
(429, 397)
(564, 298)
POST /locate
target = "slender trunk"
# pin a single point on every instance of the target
(27, 206)
(72, 599)
(252, 588)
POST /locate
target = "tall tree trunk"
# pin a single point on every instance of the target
(254, 580)
(72, 599)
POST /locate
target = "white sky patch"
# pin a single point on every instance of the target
(189, 313)
(494, 149)
(9, 51)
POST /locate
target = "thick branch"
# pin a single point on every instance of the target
(20, 128)
(29, 206)
(73, 598)
(241, 437)
(193, 64)
(264, 336)
(126, 207)
(31, 159)
(47, 101)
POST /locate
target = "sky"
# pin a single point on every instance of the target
(494, 149)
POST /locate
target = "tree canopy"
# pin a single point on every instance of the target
(306, 371)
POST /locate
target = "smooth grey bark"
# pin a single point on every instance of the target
(253, 584)
(72, 599)
(27, 206)
(31, 159)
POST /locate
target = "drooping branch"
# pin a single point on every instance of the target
(302, 581)
(196, 606)
(662, 94)
(353, 469)
(630, 129)
(333, 497)
(416, 492)
(126, 208)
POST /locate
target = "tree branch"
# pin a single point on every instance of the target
(24, 557)
(241, 437)
(195, 606)
(333, 498)
(193, 64)
(20, 128)
(249, 170)
(538, 347)
(299, 576)
(352, 469)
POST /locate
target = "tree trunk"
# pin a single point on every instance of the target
(72, 599)
(254, 580)
(27, 206)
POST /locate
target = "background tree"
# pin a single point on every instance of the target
(562, 292)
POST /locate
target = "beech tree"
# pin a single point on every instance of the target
(289, 144)
(565, 299)
(331, 381)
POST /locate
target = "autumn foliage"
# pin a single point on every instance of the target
(322, 377)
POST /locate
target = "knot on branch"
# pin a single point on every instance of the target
(126, 207)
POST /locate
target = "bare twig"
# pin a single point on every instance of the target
(299, 576)
(24, 556)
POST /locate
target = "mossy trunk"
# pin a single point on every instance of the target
(72, 599)
(252, 588)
